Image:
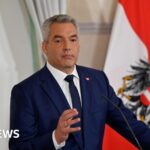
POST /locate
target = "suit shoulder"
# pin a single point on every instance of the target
(96, 74)
(29, 81)
(91, 71)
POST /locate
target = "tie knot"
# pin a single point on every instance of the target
(69, 78)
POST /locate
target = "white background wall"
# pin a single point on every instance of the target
(18, 36)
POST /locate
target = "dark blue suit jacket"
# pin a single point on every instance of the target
(38, 102)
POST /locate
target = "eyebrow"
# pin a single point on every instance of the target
(59, 36)
(74, 35)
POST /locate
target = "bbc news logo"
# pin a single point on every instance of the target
(9, 133)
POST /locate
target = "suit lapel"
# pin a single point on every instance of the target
(53, 90)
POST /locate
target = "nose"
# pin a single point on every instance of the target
(67, 45)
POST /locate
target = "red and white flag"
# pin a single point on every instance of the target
(129, 55)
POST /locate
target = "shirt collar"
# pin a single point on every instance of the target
(60, 75)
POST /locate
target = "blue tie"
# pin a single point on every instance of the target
(74, 94)
(76, 104)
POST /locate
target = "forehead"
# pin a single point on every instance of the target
(62, 29)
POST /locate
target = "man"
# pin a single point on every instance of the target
(52, 110)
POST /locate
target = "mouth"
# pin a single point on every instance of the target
(67, 56)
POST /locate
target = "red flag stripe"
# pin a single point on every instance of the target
(145, 98)
(137, 12)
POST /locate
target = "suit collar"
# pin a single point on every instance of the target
(58, 73)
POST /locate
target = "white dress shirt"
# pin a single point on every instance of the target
(64, 85)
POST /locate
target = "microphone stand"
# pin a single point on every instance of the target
(126, 121)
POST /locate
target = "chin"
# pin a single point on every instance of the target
(69, 64)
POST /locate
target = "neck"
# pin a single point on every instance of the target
(67, 70)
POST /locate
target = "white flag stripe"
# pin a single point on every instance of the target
(125, 48)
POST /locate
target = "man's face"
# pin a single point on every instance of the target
(62, 48)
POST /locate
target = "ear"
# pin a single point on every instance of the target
(44, 47)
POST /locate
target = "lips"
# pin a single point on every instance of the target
(66, 56)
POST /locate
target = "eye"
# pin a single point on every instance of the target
(57, 40)
(73, 39)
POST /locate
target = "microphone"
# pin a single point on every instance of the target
(126, 121)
